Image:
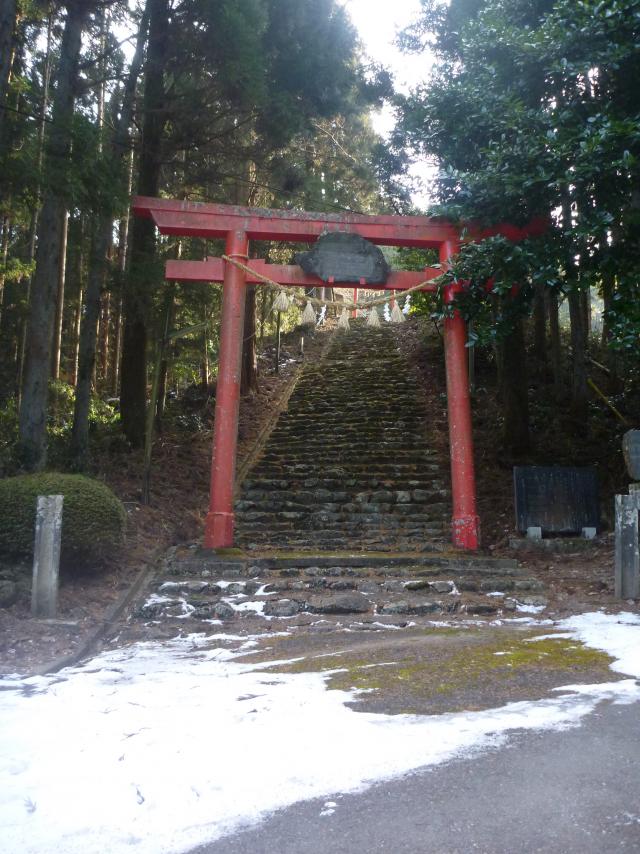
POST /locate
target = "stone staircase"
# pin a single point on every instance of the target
(349, 464)
(196, 588)
(343, 521)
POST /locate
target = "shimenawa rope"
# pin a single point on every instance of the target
(347, 305)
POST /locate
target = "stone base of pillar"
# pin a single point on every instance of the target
(465, 532)
(218, 530)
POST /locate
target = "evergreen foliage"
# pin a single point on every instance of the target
(257, 102)
(531, 113)
(93, 519)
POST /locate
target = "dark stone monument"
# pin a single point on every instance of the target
(631, 452)
(344, 257)
(557, 499)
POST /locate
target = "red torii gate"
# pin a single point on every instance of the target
(238, 225)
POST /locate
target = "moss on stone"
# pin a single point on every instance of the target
(462, 675)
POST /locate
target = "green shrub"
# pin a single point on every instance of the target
(93, 519)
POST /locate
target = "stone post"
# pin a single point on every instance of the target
(627, 566)
(46, 556)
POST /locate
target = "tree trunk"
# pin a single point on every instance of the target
(123, 240)
(100, 243)
(77, 317)
(33, 409)
(33, 228)
(8, 17)
(98, 265)
(498, 352)
(152, 412)
(555, 343)
(539, 327)
(161, 401)
(579, 388)
(204, 362)
(9, 323)
(264, 310)
(117, 344)
(6, 229)
(249, 375)
(105, 334)
(586, 312)
(144, 273)
(608, 288)
(77, 322)
(58, 321)
(515, 397)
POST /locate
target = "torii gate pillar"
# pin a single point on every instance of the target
(219, 524)
(465, 532)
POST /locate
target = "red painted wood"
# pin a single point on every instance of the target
(196, 219)
(466, 523)
(212, 270)
(192, 219)
(238, 225)
(219, 524)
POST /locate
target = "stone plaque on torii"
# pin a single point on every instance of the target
(238, 225)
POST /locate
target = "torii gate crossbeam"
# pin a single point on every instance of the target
(239, 225)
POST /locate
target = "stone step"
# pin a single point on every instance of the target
(199, 586)
(340, 509)
(300, 417)
(316, 494)
(349, 464)
(426, 542)
(196, 560)
(248, 511)
(379, 471)
(340, 483)
(344, 533)
(317, 463)
(376, 447)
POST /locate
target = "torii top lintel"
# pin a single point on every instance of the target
(196, 219)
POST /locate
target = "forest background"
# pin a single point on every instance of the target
(531, 109)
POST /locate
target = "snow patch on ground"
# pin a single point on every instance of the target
(156, 599)
(262, 591)
(329, 808)
(157, 748)
(185, 608)
(375, 624)
(245, 607)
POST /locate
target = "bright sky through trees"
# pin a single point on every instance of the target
(378, 23)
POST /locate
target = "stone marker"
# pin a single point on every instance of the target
(46, 556)
(341, 257)
(557, 499)
(627, 566)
